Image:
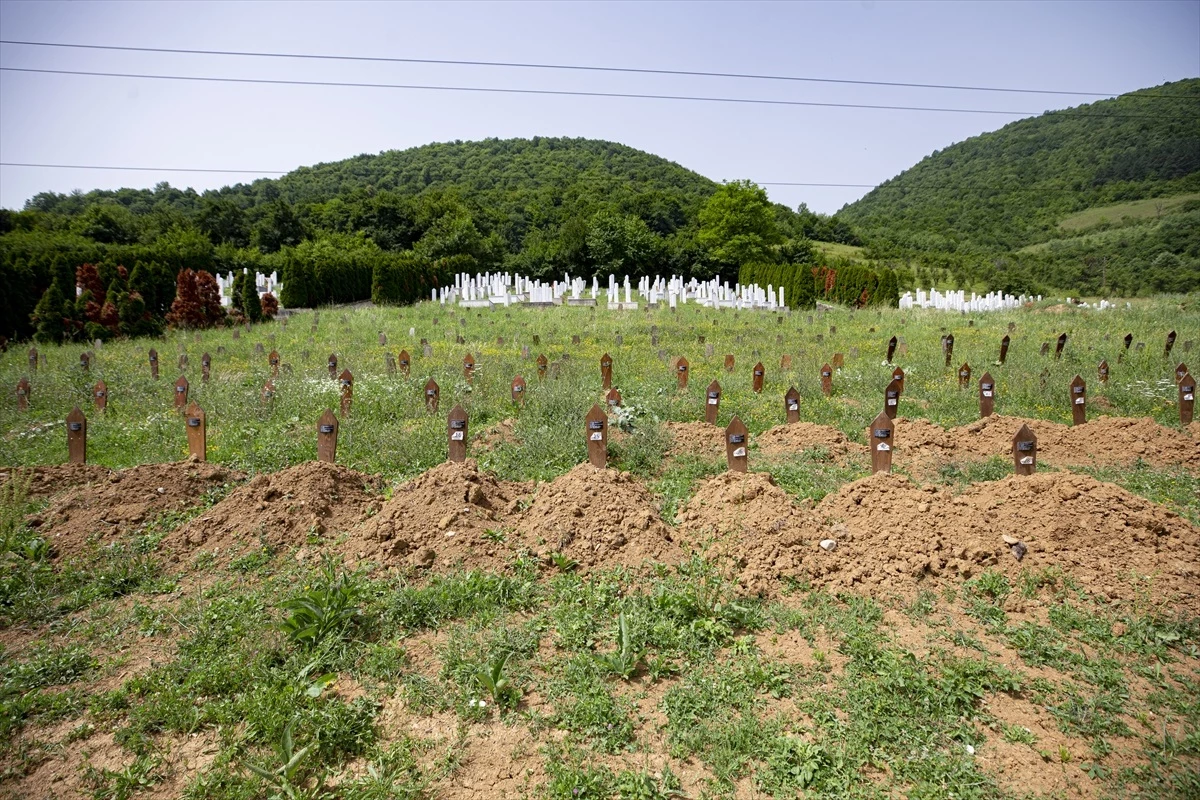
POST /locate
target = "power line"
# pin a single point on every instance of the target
(578, 68)
(500, 90)
(144, 169)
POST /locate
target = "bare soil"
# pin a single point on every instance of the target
(799, 436)
(695, 438)
(47, 481)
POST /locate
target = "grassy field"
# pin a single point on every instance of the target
(126, 672)
(840, 250)
(1125, 213)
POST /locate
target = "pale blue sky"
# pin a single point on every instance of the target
(1078, 46)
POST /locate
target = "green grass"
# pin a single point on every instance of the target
(1125, 213)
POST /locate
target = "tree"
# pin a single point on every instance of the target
(208, 294)
(50, 316)
(620, 244)
(737, 225)
(251, 305)
(270, 305)
(186, 311)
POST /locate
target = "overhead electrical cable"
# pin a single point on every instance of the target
(580, 68)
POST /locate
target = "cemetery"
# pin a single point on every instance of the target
(508, 478)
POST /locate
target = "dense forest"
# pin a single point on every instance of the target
(990, 210)
(391, 226)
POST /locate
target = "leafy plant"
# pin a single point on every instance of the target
(625, 661)
(564, 562)
(320, 613)
(490, 677)
(290, 780)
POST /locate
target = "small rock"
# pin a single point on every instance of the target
(423, 558)
(161, 490)
(1010, 540)
(446, 521)
(922, 507)
(1119, 629)
(828, 545)
(1019, 550)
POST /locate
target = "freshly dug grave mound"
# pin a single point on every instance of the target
(800, 436)
(898, 536)
(127, 498)
(282, 509)
(441, 517)
(744, 520)
(696, 438)
(598, 517)
(493, 436)
(45, 481)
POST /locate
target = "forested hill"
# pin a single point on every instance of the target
(1009, 189)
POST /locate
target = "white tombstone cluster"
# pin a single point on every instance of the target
(505, 289)
(264, 283)
(958, 301)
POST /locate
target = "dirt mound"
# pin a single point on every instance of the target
(491, 437)
(282, 509)
(441, 517)
(753, 525)
(696, 438)
(598, 518)
(45, 481)
(126, 499)
(899, 536)
(798, 436)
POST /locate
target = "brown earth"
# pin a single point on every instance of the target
(282, 509)
(744, 520)
(441, 517)
(600, 518)
(45, 481)
(897, 537)
(493, 436)
(696, 438)
(126, 499)
(798, 436)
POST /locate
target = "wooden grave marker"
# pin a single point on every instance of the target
(525, 352)
(613, 398)
(100, 395)
(964, 375)
(469, 368)
(382, 338)
(1181, 369)
(1169, 345)
(432, 393)
(891, 349)
(620, 340)
(712, 402)
(541, 367)
(1102, 371)
(389, 364)
(575, 339)
(833, 330)
(681, 373)
(987, 396)
(1058, 348)
(737, 439)
(153, 363)
(891, 399)
(327, 436)
(785, 362)
(23, 394)
(791, 405)
(268, 392)
(195, 420)
(729, 362)
(181, 392)
(1078, 401)
(33, 359)
(1187, 398)
(331, 364)
(1139, 347)
(76, 437)
(85, 361)
(839, 361)
(948, 347)
(882, 441)
(898, 376)
(1045, 348)
(536, 340)
(826, 380)
(1024, 451)
(259, 349)
(238, 334)
(346, 382)
(205, 367)
(456, 431)
(517, 390)
(1004, 349)
(758, 373)
(273, 363)
(405, 359)
(606, 371)
(595, 427)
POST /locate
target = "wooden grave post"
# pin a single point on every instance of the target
(964, 375)
(181, 392)
(1024, 450)
(1170, 344)
(327, 434)
(1058, 348)
(85, 361)
(948, 347)
(826, 380)
(456, 430)
(729, 362)
(76, 437)
(606, 371)
(1004, 348)
(1078, 401)
(404, 362)
(33, 359)
(258, 348)
(613, 398)
(517, 390)
(882, 441)
(759, 372)
(196, 431)
(332, 365)
(1045, 348)
(268, 392)
(1181, 369)
(542, 363)
(1128, 339)
(736, 441)
(153, 363)
(382, 338)
(100, 396)
(183, 361)
(273, 362)
(891, 400)
(891, 349)
(23, 394)
(987, 395)
(575, 339)
(205, 367)
(791, 405)
(596, 430)
(839, 361)
(681, 373)
(898, 375)
(432, 392)
(469, 367)
(346, 382)
(389, 364)
(785, 362)
(712, 402)
(1102, 371)
(1187, 398)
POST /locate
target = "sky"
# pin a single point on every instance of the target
(1099, 47)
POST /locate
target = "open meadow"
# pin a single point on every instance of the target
(522, 624)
